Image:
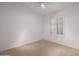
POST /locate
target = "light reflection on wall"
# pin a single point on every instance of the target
(22, 36)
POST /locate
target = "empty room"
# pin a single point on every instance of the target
(39, 28)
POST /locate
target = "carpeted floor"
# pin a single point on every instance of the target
(41, 48)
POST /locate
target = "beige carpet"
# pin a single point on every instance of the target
(41, 48)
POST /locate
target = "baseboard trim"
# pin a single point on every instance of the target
(15, 46)
(61, 44)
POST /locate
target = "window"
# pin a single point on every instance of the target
(60, 26)
(56, 26)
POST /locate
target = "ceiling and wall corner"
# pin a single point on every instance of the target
(50, 7)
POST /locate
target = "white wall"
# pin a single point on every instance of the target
(71, 27)
(18, 26)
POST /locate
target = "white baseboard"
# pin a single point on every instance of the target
(61, 44)
(31, 41)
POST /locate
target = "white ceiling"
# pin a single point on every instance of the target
(50, 6)
(36, 7)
